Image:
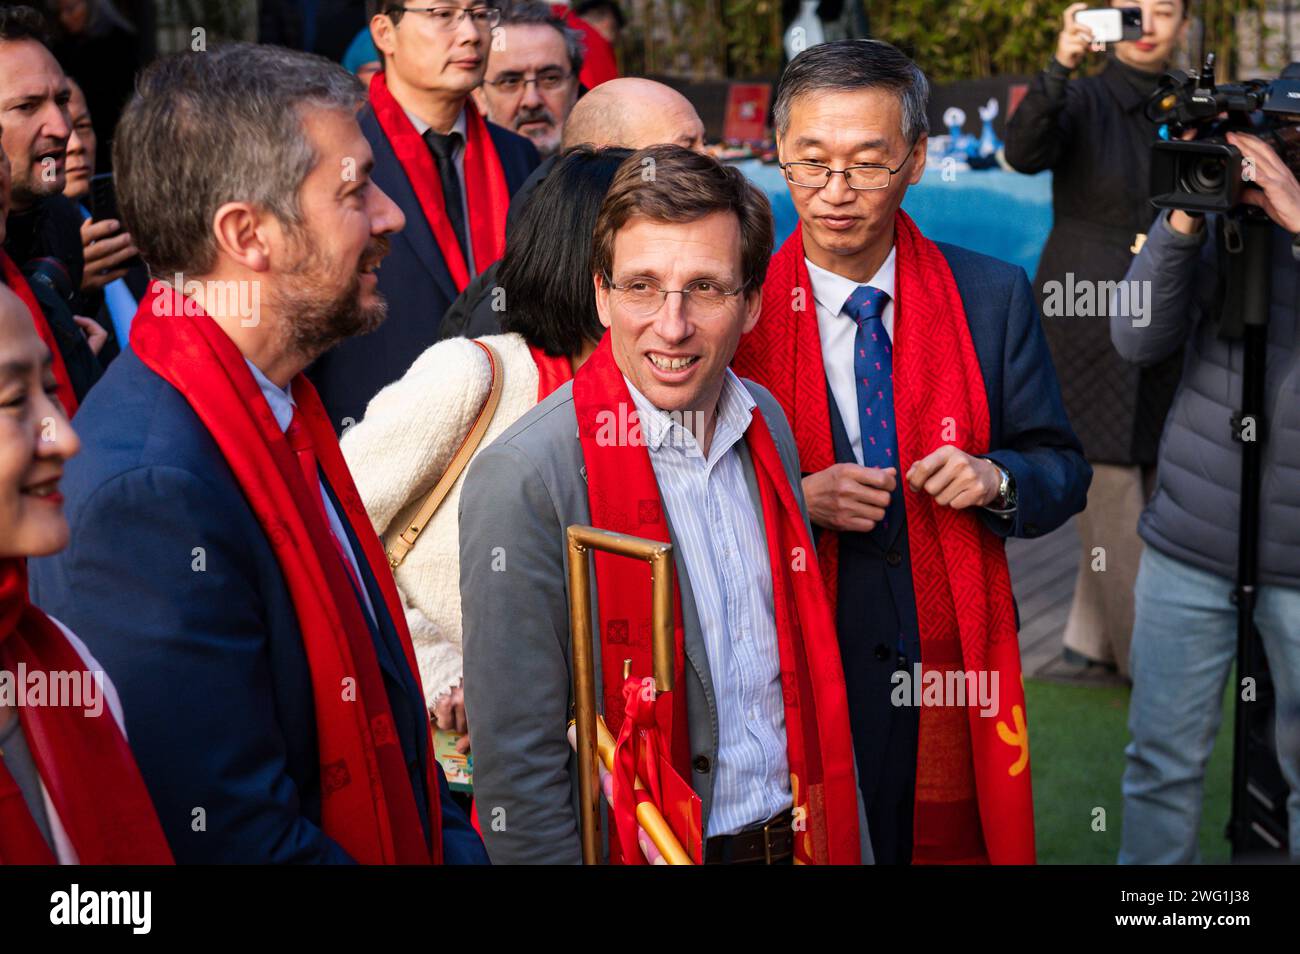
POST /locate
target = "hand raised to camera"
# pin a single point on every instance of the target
(1279, 192)
(1075, 40)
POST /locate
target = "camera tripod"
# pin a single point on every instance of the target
(1258, 823)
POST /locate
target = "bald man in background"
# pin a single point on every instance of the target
(628, 112)
(633, 113)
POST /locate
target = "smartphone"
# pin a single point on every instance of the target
(1112, 24)
(103, 206)
(103, 197)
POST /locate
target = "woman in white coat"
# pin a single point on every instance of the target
(413, 429)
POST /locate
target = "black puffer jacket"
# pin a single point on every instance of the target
(1094, 136)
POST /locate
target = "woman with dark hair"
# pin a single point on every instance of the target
(417, 431)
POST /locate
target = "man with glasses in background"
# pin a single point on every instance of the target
(450, 171)
(930, 426)
(532, 75)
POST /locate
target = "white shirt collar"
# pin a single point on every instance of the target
(831, 291)
(280, 399)
(422, 127)
(735, 411)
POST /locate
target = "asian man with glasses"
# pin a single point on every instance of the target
(450, 170)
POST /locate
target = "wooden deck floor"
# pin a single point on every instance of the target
(1042, 575)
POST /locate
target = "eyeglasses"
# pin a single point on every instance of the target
(447, 19)
(644, 296)
(512, 83)
(864, 177)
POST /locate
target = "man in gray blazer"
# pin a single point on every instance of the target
(678, 265)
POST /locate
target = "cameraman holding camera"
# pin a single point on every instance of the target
(1094, 135)
(1184, 638)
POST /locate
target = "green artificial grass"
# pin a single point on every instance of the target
(1077, 736)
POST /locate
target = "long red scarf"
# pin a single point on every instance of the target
(486, 191)
(84, 762)
(624, 497)
(18, 285)
(367, 805)
(973, 796)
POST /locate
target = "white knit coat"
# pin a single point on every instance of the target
(396, 454)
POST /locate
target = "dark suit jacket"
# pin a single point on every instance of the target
(1030, 436)
(414, 278)
(172, 583)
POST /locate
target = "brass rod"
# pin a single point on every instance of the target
(661, 616)
(584, 700)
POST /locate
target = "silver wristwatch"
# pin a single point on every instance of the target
(1005, 504)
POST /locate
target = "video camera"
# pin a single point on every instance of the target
(1205, 174)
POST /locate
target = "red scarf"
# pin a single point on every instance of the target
(487, 193)
(624, 497)
(84, 763)
(367, 805)
(973, 795)
(551, 372)
(18, 285)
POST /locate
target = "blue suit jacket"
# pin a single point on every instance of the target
(1031, 437)
(173, 585)
(413, 278)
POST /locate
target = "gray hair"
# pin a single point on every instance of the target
(846, 65)
(226, 125)
(523, 12)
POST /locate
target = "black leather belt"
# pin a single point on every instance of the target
(771, 843)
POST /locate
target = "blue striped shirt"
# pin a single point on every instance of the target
(725, 551)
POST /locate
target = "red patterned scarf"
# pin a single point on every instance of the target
(17, 283)
(84, 762)
(624, 497)
(486, 191)
(367, 805)
(973, 796)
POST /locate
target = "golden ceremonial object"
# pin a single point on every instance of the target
(659, 555)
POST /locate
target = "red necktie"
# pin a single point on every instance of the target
(300, 441)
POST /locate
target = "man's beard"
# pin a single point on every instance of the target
(539, 114)
(35, 184)
(317, 317)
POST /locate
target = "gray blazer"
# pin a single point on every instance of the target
(520, 496)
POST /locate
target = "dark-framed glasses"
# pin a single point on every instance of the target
(645, 296)
(448, 18)
(511, 83)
